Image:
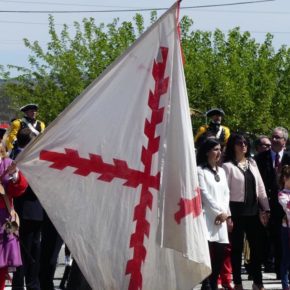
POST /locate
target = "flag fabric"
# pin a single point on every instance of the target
(116, 172)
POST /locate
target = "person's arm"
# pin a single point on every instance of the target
(17, 186)
(17, 182)
(226, 215)
(42, 126)
(262, 195)
(227, 199)
(200, 131)
(12, 133)
(227, 168)
(227, 133)
(284, 201)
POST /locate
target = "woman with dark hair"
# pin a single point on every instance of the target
(215, 203)
(248, 200)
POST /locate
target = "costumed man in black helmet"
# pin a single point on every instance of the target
(28, 120)
(213, 129)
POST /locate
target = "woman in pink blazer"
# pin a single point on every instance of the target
(248, 204)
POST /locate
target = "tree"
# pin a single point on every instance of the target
(70, 63)
(250, 81)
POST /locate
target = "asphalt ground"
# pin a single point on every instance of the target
(268, 278)
(58, 273)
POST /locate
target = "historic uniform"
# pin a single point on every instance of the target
(34, 125)
(213, 129)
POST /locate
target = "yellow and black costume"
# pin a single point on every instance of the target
(213, 129)
(34, 125)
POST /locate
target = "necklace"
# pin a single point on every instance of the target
(215, 173)
(244, 165)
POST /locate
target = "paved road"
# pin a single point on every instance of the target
(268, 278)
(58, 274)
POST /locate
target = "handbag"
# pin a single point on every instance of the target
(12, 224)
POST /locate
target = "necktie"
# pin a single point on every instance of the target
(277, 161)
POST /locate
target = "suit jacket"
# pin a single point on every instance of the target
(269, 176)
(28, 206)
(236, 182)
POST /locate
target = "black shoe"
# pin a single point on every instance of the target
(269, 269)
(205, 287)
(205, 284)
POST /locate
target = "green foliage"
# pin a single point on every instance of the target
(69, 63)
(250, 81)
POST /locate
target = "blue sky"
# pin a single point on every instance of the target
(258, 18)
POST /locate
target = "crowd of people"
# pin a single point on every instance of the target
(245, 199)
(246, 203)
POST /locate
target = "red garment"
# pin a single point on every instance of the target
(14, 189)
(225, 277)
(3, 273)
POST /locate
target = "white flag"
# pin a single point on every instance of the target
(116, 172)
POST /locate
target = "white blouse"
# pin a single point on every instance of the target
(284, 200)
(215, 200)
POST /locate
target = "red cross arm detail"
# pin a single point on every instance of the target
(96, 164)
(189, 207)
(132, 177)
(142, 230)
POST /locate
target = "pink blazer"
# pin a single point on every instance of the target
(236, 182)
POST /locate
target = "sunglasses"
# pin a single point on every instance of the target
(276, 137)
(266, 145)
(241, 143)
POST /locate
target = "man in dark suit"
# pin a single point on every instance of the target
(270, 163)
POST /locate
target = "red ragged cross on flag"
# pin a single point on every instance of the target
(116, 172)
(132, 177)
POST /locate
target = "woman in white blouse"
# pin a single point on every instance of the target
(215, 203)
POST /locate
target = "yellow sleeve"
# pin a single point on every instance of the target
(227, 133)
(200, 131)
(42, 126)
(12, 133)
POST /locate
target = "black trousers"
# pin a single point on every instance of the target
(51, 243)
(29, 237)
(76, 279)
(274, 228)
(217, 251)
(251, 226)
